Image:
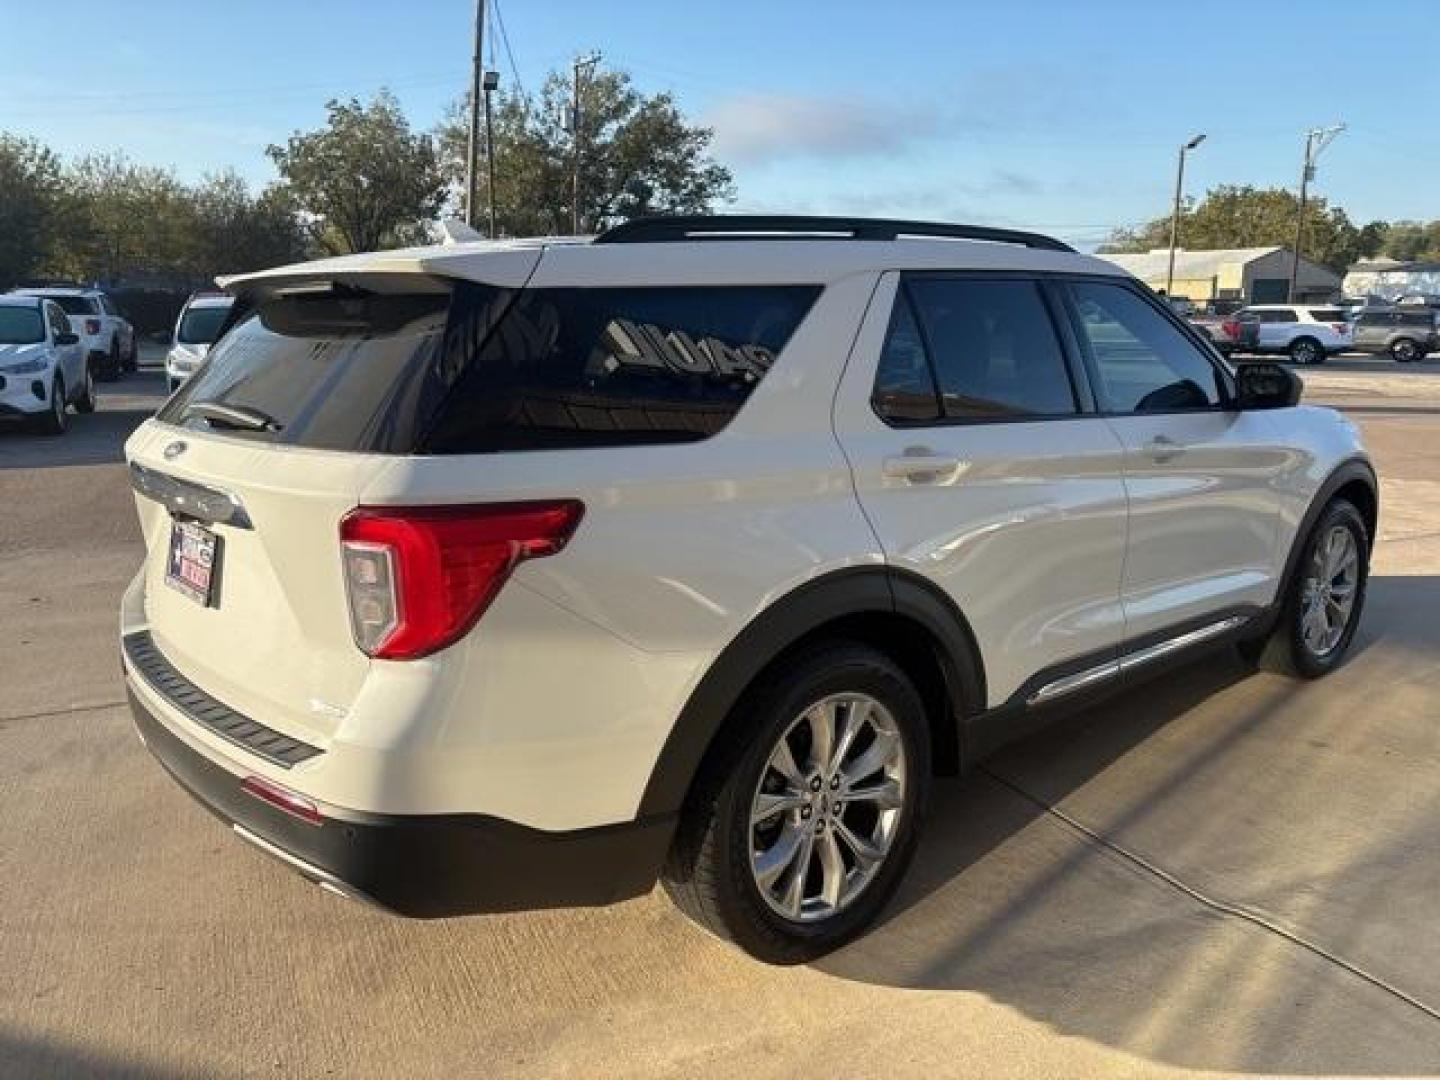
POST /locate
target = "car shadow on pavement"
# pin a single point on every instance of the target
(37, 1056)
(1203, 768)
(97, 439)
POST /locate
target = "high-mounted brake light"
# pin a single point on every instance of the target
(417, 578)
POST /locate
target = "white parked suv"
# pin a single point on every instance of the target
(1307, 333)
(107, 336)
(42, 364)
(196, 329)
(504, 575)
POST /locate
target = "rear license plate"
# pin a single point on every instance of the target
(193, 567)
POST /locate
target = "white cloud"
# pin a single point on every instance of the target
(768, 127)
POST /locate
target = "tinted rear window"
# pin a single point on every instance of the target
(76, 305)
(615, 367)
(475, 369)
(1327, 314)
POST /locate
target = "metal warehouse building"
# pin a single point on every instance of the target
(1259, 275)
(1388, 278)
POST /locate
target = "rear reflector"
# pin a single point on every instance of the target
(418, 578)
(283, 799)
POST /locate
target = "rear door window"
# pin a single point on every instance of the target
(993, 348)
(1327, 314)
(617, 367)
(76, 305)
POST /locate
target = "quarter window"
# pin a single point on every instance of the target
(993, 349)
(904, 383)
(1143, 363)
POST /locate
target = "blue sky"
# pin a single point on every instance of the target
(1061, 115)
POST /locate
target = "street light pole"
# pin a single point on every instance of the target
(581, 63)
(477, 74)
(1175, 213)
(1316, 140)
(492, 80)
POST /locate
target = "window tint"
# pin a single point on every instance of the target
(904, 384)
(1327, 314)
(76, 305)
(201, 325)
(993, 348)
(611, 367)
(1278, 317)
(1143, 363)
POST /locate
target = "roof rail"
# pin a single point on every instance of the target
(655, 230)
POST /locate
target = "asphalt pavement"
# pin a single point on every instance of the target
(1218, 871)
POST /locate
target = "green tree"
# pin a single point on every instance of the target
(29, 200)
(118, 219)
(1411, 241)
(364, 181)
(1233, 216)
(638, 156)
(236, 231)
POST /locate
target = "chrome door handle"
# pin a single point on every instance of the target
(919, 464)
(1162, 448)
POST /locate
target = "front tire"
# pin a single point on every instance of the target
(85, 403)
(799, 832)
(1307, 350)
(1323, 602)
(54, 420)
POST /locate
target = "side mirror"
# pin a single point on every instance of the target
(67, 338)
(1266, 386)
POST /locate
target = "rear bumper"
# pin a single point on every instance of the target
(423, 866)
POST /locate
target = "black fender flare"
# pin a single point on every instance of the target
(841, 593)
(1353, 468)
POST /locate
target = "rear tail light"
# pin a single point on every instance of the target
(92, 326)
(1231, 328)
(418, 578)
(1340, 328)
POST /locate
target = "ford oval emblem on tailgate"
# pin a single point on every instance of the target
(174, 450)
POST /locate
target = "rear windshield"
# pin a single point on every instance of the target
(1326, 314)
(200, 325)
(20, 325)
(476, 369)
(76, 305)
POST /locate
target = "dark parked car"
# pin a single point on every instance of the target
(1406, 333)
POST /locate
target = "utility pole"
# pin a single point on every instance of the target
(581, 63)
(492, 80)
(1175, 214)
(477, 75)
(1316, 140)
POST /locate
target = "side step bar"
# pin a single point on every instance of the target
(1082, 680)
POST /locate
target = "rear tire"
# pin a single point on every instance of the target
(1313, 634)
(1405, 351)
(132, 358)
(1307, 350)
(114, 363)
(789, 851)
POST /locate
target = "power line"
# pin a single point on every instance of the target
(505, 39)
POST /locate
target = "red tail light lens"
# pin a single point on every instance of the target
(1340, 328)
(92, 326)
(418, 578)
(283, 799)
(1231, 328)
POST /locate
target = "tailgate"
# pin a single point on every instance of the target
(274, 640)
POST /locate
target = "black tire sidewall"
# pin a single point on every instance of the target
(1317, 354)
(1395, 347)
(1306, 662)
(841, 669)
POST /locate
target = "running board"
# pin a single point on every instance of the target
(1101, 673)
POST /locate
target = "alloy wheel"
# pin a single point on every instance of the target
(1327, 597)
(827, 808)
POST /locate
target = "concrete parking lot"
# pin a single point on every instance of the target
(1219, 872)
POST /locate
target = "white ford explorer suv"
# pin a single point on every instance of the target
(504, 575)
(1307, 333)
